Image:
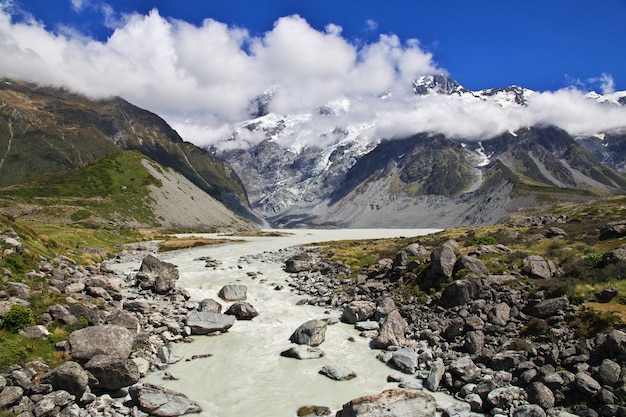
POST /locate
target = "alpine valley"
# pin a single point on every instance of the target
(316, 169)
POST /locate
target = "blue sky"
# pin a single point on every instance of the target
(199, 64)
(538, 44)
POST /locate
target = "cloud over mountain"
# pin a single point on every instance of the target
(201, 79)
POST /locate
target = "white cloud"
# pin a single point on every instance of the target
(371, 25)
(201, 79)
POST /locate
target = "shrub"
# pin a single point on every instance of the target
(589, 323)
(17, 318)
(485, 240)
(593, 259)
(536, 327)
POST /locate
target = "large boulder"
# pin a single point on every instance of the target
(299, 263)
(69, 376)
(471, 264)
(302, 352)
(443, 258)
(233, 292)
(160, 276)
(112, 373)
(312, 333)
(204, 322)
(615, 256)
(358, 311)
(210, 305)
(10, 395)
(162, 402)
(112, 287)
(392, 331)
(537, 267)
(460, 292)
(548, 308)
(393, 402)
(242, 311)
(107, 339)
(405, 360)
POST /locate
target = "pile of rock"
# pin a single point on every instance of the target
(132, 325)
(493, 341)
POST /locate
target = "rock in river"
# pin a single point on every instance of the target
(204, 322)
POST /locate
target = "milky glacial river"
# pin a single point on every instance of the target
(246, 376)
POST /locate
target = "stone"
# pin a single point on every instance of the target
(165, 274)
(168, 354)
(210, 305)
(61, 314)
(474, 341)
(112, 372)
(608, 372)
(312, 333)
(437, 371)
(541, 395)
(89, 313)
(613, 257)
(529, 410)
(299, 263)
(111, 286)
(464, 369)
(459, 292)
(233, 292)
(548, 308)
(337, 372)
(606, 294)
(586, 384)
(499, 314)
(471, 264)
(202, 322)
(162, 402)
(442, 259)
(392, 331)
(537, 267)
(392, 402)
(101, 340)
(10, 395)
(242, 311)
(358, 311)
(303, 352)
(69, 376)
(125, 319)
(505, 397)
(35, 332)
(137, 306)
(405, 360)
(613, 230)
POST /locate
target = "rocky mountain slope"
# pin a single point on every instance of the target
(310, 169)
(45, 129)
(122, 189)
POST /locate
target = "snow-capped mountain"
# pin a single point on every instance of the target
(330, 168)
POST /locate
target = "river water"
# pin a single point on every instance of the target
(246, 376)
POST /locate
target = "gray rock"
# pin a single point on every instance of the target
(615, 256)
(474, 341)
(337, 372)
(233, 292)
(529, 410)
(471, 264)
(358, 311)
(101, 340)
(443, 258)
(113, 373)
(52, 403)
(464, 369)
(112, 287)
(393, 402)
(125, 319)
(61, 314)
(499, 314)
(505, 397)
(210, 305)
(90, 313)
(392, 331)
(35, 332)
(586, 384)
(405, 360)
(537, 267)
(202, 322)
(541, 395)
(608, 372)
(168, 354)
(69, 376)
(299, 263)
(437, 371)
(367, 325)
(548, 308)
(139, 306)
(162, 402)
(10, 395)
(242, 311)
(303, 352)
(506, 360)
(312, 333)
(460, 292)
(164, 274)
(606, 294)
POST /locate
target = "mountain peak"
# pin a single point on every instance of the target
(437, 84)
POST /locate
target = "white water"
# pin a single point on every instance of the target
(246, 376)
